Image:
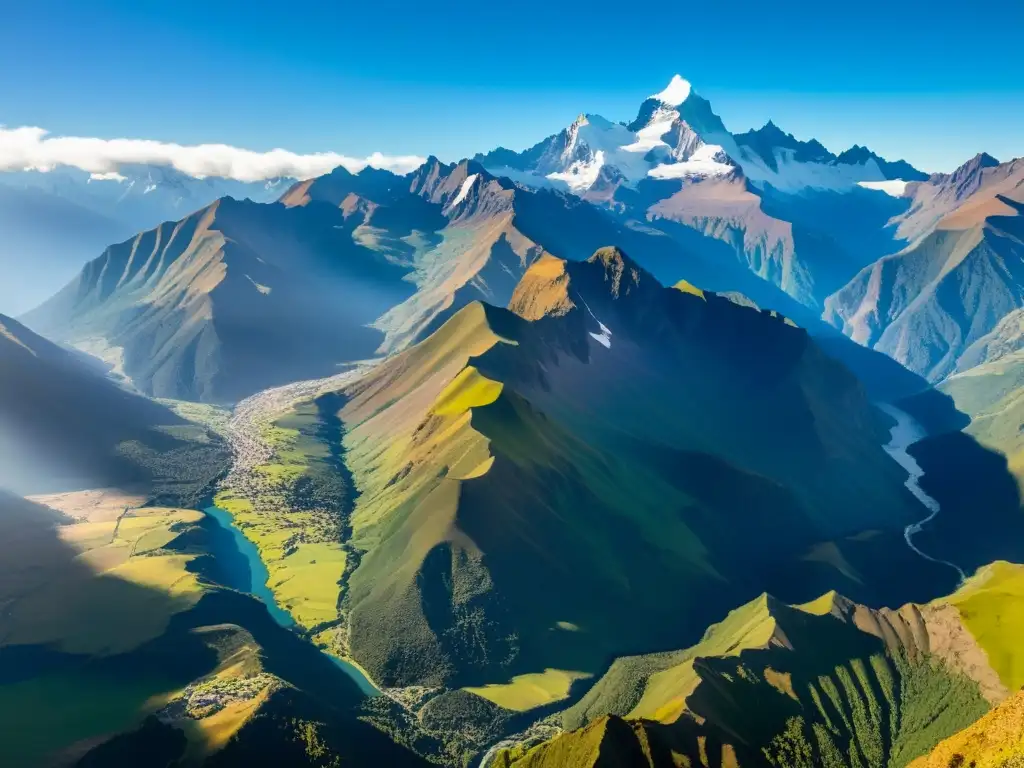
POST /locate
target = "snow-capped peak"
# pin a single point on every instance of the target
(675, 93)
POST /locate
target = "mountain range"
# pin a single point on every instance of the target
(936, 306)
(467, 465)
(55, 220)
(414, 249)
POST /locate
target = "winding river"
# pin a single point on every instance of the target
(257, 578)
(904, 434)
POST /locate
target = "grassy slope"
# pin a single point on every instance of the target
(824, 684)
(991, 605)
(98, 589)
(991, 394)
(526, 692)
(995, 741)
(67, 427)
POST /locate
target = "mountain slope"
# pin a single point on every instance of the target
(470, 236)
(518, 488)
(928, 304)
(235, 298)
(55, 221)
(64, 426)
(995, 741)
(827, 683)
(992, 394)
(241, 296)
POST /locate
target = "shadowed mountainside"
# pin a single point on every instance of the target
(827, 684)
(235, 298)
(529, 478)
(64, 426)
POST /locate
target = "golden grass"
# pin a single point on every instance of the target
(995, 741)
(209, 734)
(690, 288)
(525, 692)
(95, 505)
(468, 390)
(819, 606)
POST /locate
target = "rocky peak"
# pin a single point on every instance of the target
(968, 177)
(621, 273)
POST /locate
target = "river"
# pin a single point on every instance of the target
(904, 434)
(257, 578)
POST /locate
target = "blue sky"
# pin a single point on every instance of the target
(931, 82)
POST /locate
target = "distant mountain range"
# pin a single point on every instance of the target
(54, 221)
(409, 252)
(937, 305)
(676, 135)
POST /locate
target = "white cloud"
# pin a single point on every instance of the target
(29, 148)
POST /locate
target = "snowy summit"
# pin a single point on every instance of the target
(675, 93)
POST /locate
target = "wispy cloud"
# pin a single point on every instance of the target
(29, 148)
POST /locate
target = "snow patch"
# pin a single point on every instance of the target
(466, 186)
(708, 160)
(893, 187)
(604, 338)
(675, 93)
(795, 175)
(649, 137)
(581, 175)
(111, 176)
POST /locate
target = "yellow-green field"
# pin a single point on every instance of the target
(525, 692)
(305, 582)
(99, 584)
(108, 589)
(991, 604)
(300, 548)
(995, 741)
